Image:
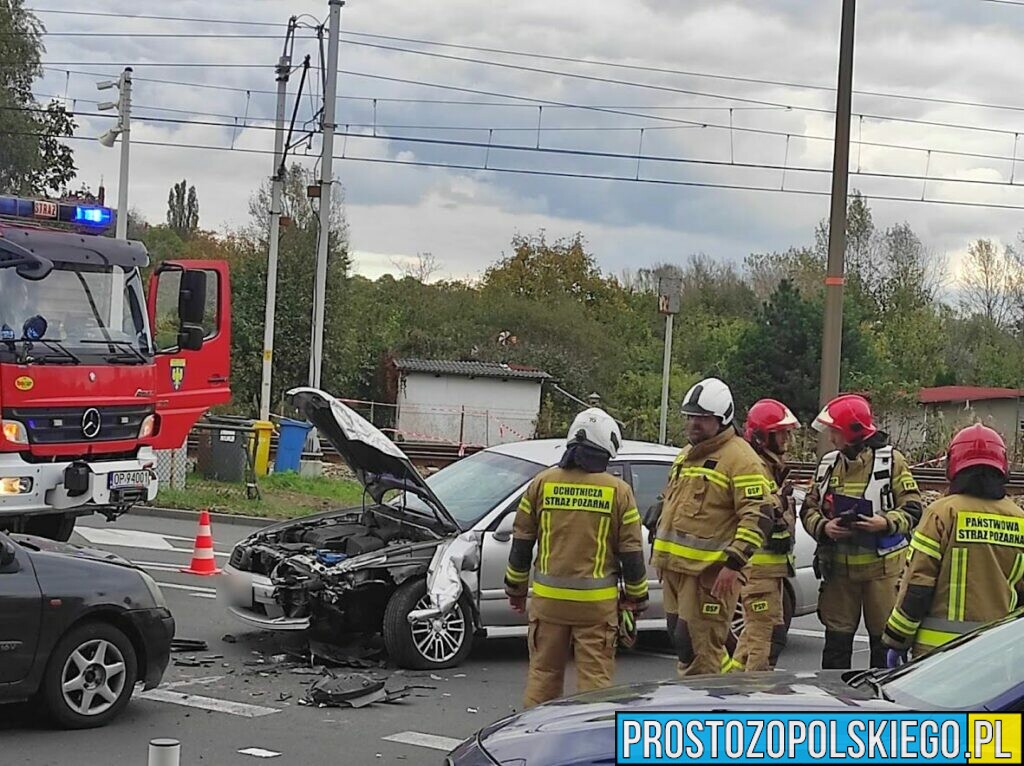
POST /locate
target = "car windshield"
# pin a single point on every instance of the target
(967, 675)
(474, 485)
(95, 311)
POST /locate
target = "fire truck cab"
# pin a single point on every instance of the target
(97, 371)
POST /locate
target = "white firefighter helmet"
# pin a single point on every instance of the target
(596, 428)
(710, 397)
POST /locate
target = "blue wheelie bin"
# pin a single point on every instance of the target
(291, 440)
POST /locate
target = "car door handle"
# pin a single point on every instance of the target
(217, 379)
(502, 537)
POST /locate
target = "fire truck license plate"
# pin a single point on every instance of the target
(128, 479)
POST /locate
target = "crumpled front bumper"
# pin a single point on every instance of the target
(250, 599)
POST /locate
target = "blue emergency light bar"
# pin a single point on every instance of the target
(84, 217)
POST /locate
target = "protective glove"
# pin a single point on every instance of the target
(895, 657)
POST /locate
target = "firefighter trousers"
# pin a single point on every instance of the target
(759, 644)
(841, 601)
(697, 622)
(551, 645)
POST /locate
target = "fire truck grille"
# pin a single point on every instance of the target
(67, 425)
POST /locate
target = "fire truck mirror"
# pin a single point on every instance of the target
(192, 299)
(190, 337)
(39, 268)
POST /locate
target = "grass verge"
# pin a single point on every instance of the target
(282, 496)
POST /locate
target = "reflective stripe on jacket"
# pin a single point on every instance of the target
(587, 532)
(965, 567)
(717, 509)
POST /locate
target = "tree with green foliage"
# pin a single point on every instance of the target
(183, 209)
(33, 161)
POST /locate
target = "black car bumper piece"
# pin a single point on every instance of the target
(156, 629)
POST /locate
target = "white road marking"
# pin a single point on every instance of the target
(193, 588)
(191, 682)
(203, 595)
(125, 538)
(135, 538)
(208, 703)
(820, 634)
(259, 752)
(433, 741)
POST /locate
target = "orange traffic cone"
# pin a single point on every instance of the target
(203, 562)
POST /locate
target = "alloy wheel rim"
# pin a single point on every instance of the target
(439, 639)
(93, 677)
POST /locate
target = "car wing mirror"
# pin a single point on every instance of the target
(504, 531)
(8, 558)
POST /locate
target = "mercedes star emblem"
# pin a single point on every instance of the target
(91, 423)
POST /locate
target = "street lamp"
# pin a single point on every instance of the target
(122, 129)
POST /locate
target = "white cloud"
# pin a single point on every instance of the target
(938, 49)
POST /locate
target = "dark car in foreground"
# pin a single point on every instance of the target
(79, 628)
(981, 671)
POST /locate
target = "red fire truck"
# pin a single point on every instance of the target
(96, 372)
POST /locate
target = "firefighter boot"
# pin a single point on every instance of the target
(878, 650)
(838, 651)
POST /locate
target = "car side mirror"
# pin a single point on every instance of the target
(504, 531)
(190, 337)
(7, 555)
(192, 298)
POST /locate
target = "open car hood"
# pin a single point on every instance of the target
(376, 461)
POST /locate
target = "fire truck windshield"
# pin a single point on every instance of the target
(77, 313)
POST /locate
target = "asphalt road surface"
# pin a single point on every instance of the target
(236, 705)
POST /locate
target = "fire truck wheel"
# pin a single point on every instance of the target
(53, 526)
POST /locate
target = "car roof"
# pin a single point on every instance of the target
(548, 451)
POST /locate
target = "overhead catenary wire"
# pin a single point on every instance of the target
(582, 153)
(547, 103)
(565, 174)
(569, 59)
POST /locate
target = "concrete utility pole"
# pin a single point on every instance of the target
(126, 132)
(326, 195)
(668, 304)
(831, 349)
(276, 184)
(122, 129)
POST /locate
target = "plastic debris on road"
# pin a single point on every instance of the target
(259, 752)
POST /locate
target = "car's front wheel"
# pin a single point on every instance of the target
(90, 676)
(433, 644)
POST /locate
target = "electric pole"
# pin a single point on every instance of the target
(326, 197)
(831, 349)
(276, 184)
(668, 304)
(122, 129)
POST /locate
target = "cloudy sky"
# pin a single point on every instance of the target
(950, 62)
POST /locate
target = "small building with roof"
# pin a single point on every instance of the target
(465, 402)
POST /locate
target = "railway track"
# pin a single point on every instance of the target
(440, 454)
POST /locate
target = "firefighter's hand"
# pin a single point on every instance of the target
(836, 531)
(875, 524)
(518, 604)
(726, 582)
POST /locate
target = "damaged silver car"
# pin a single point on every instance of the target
(421, 561)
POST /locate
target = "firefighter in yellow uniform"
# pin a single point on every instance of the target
(966, 560)
(717, 512)
(587, 529)
(768, 425)
(861, 510)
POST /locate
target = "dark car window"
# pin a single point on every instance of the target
(992, 659)
(649, 481)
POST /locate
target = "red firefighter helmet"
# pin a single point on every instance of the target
(768, 416)
(976, 445)
(850, 415)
